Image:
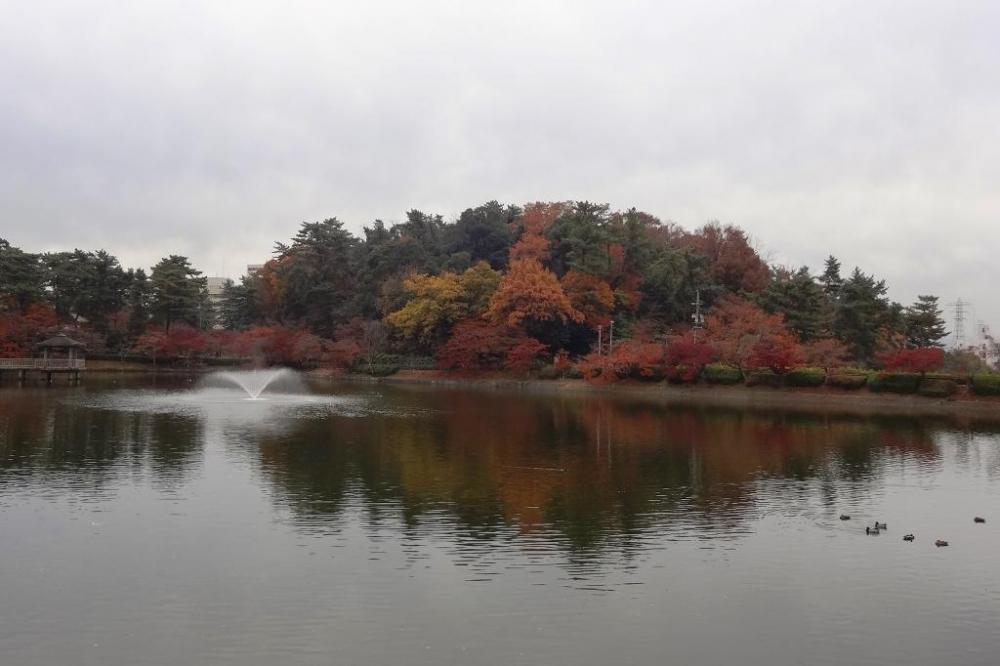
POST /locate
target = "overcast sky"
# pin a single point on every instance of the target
(870, 130)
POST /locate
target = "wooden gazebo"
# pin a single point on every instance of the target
(62, 347)
(60, 354)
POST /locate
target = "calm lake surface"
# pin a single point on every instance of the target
(159, 523)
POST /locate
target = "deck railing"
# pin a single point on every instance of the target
(42, 364)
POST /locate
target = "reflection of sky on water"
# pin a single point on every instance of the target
(276, 530)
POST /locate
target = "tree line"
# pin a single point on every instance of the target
(500, 287)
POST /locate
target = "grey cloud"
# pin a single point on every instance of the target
(213, 128)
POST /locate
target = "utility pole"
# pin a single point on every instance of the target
(600, 339)
(697, 317)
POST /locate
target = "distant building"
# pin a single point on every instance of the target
(216, 294)
(254, 269)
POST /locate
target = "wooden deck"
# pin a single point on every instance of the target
(45, 364)
(25, 369)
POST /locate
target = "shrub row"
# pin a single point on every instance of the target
(719, 373)
(894, 382)
(986, 383)
(806, 377)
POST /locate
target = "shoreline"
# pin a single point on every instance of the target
(802, 399)
(827, 400)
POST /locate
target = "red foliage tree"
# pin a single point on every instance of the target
(20, 332)
(733, 262)
(180, 342)
(475, 346)
(523, 353)
(685, 357)
(826, 353)
(919, 359)
(747, 337)
(778, 352)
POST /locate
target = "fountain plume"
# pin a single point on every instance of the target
(255, 382)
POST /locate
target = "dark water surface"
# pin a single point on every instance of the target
(370, 524)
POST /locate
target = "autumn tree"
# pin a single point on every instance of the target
(437, 302)
(733, 263)
(532, 241)
(919, 359)
(685, 356)
(590, 296)
(746, 336)
(530, 293)
(477, 345)
(826, 353)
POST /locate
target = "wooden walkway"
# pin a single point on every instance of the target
(24, 368)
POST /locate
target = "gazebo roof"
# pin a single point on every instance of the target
(60, 342)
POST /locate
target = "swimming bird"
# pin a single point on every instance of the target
(880, 526)
(871, 530)
(979, 520)
(844, 516)
(940, 542)
(909, 537)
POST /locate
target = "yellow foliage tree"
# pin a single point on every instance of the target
(438, 301)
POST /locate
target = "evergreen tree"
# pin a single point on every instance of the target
(830, 279)
(924, 325)
(138, 302)
(239, 303)
(581, 239)
(314, 278)
(483, 234)
(177, 292)
(21, 277)
(798, 297)
(861, 313)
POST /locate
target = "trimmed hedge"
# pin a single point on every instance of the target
(938, 388)
(894, 382)
(764, 378)
(849, 380)
(719, 373)
(986, 383)
(549, 372)
(806, 377)
(961, 380)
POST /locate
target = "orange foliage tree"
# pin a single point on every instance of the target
(530, 293)
(590, 296)
(535, 220)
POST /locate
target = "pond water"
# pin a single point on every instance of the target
(154, 522)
